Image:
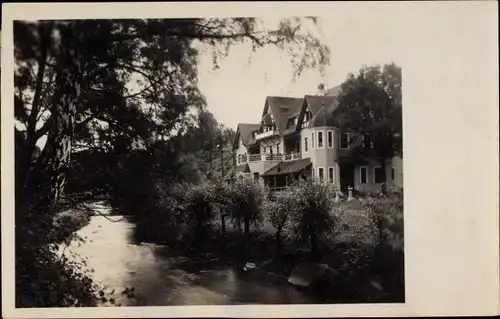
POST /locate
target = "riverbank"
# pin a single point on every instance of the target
(360, 271)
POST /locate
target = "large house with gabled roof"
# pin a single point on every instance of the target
(297, 137)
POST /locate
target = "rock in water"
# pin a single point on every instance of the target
(249, 266)
(306, 274)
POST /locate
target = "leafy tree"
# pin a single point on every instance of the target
(279, 212)
(221, 193)
(197, 206)
(313, 213)
(246, 203)
(370, 107)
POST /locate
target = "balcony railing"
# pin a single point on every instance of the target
(254, 157)
(266, 134)
(292, 156)
(269, 157)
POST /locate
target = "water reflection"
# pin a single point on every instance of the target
(160, 279)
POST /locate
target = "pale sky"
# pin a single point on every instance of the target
(236, 92)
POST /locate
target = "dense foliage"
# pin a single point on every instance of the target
(370, 107)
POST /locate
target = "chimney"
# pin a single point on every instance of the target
(321, 89)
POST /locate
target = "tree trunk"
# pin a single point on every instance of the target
(246, 221)
(381, 230)
(44, 183)
(314, 246)
(383, 164)
(279, 248)
(223, 223)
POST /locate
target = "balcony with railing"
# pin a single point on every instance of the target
(263, 135)
(292, 156)
(269, 157)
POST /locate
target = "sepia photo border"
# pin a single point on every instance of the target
(450, 121)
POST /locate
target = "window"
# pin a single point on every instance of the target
(330, 175)
(321, 174)
(330, 139)
(363, 174)
(320, 139)
(239, 158)
(378, 175)
(256, 177)
(344, 140)
(305, 144)
(312, 140)
(393, 174)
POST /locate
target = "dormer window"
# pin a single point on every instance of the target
(307, 117)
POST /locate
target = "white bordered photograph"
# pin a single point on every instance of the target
(226, 160)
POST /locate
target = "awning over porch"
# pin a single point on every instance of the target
(288, 167)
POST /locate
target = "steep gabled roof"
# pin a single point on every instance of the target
(245, 131)
(316, 102)
(324, 117)
(283, 108)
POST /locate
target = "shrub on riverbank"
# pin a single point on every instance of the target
(45, 278)
(68, 222)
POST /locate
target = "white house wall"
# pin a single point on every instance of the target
(321, 156)
(371, 186)
(241, 150)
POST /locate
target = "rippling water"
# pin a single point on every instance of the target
(160, 279)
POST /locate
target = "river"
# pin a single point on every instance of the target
(158, 278)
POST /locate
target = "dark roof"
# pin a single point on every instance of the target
(316, 102)
(242, 169)
(282, 108)
(323, 118)
(246, 133)
(267, 119)
(288, 167)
